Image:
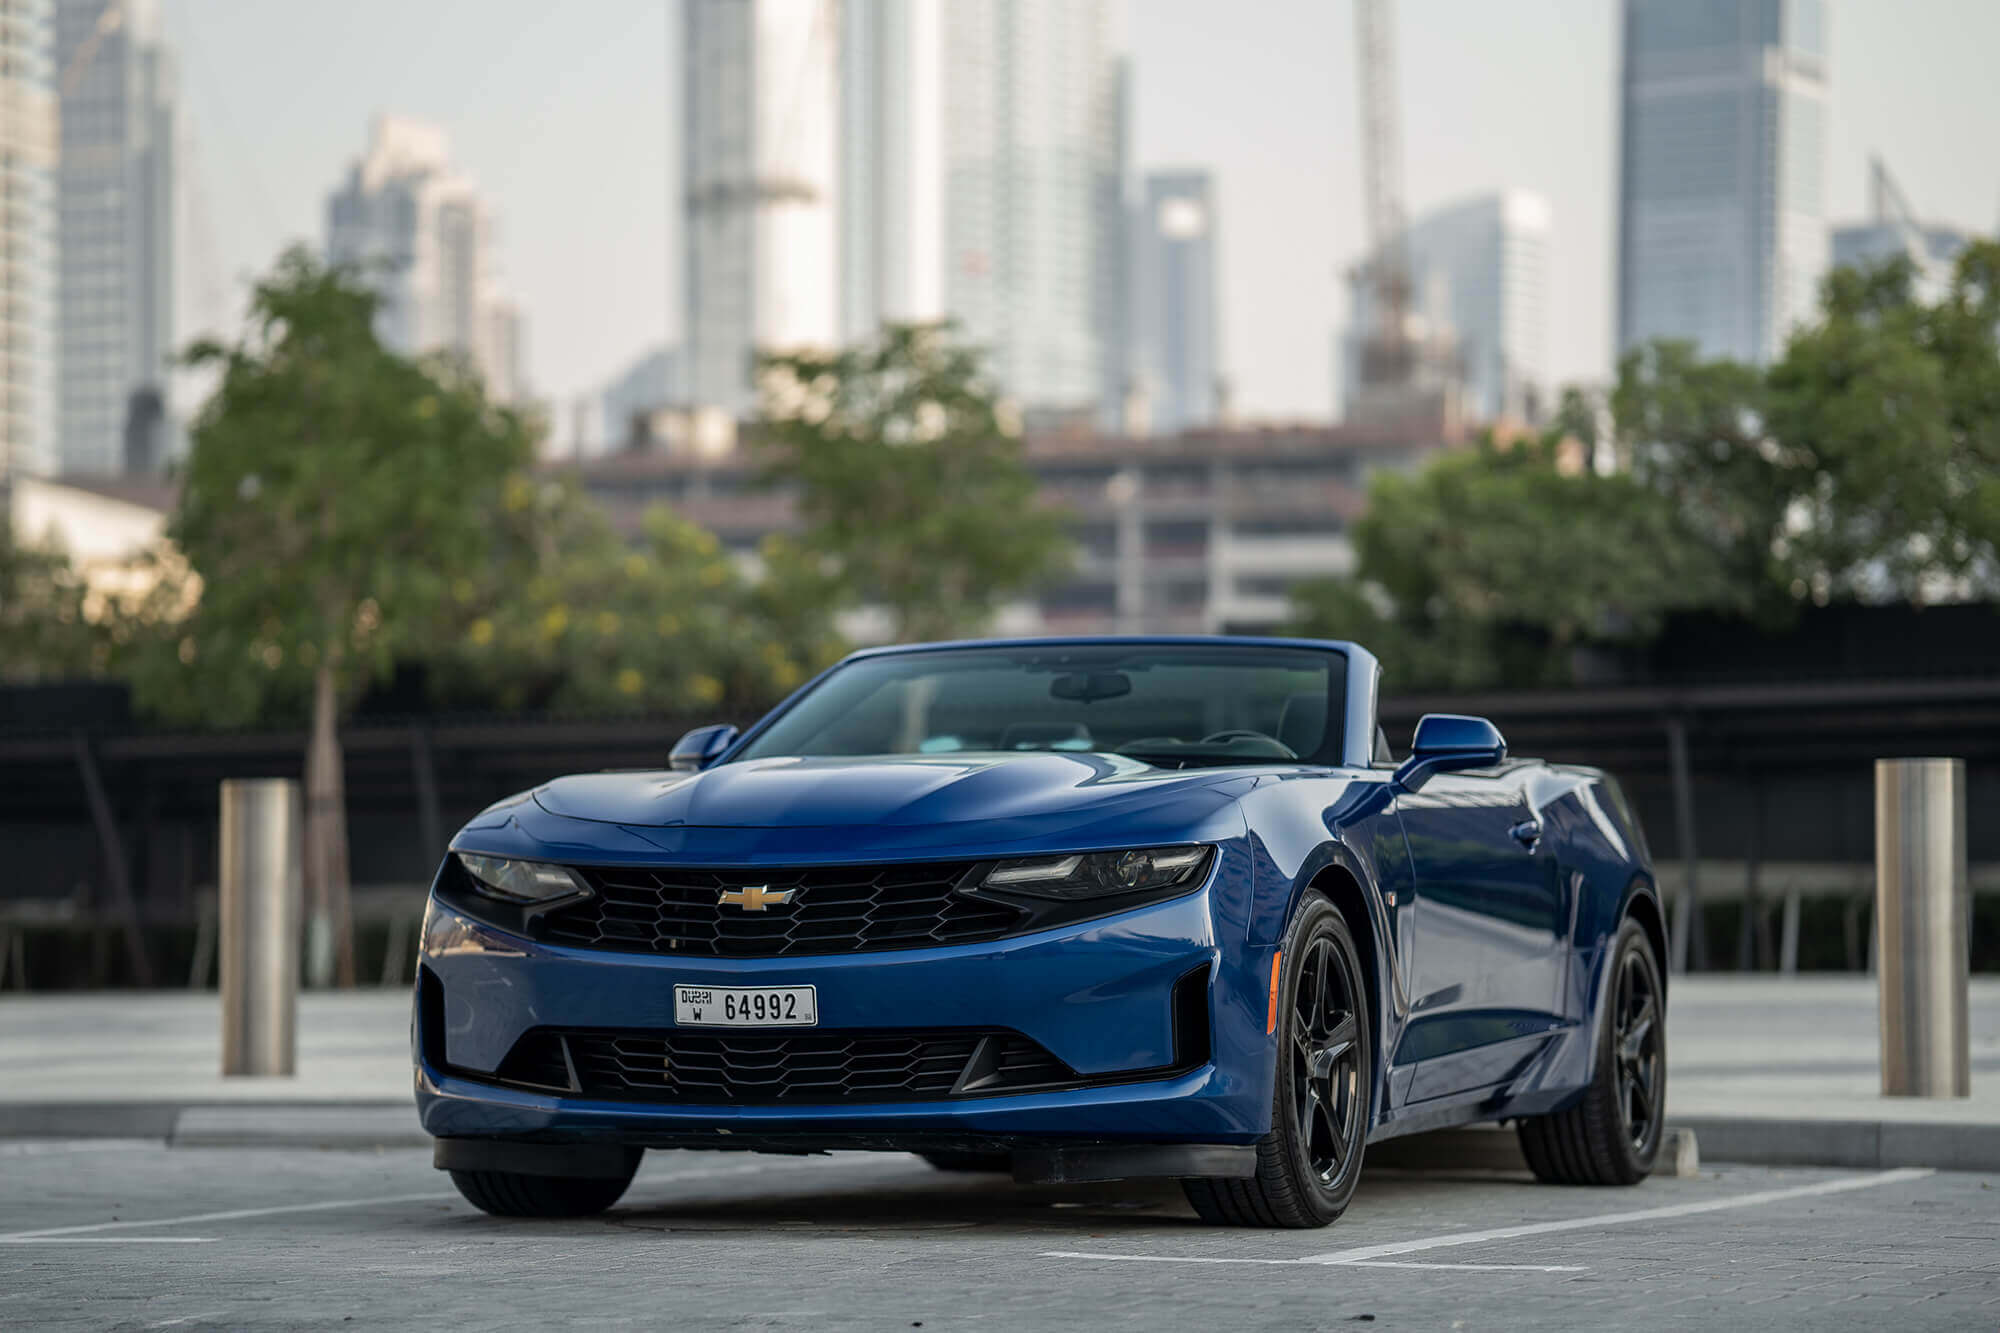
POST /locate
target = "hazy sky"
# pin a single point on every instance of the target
(561, 113)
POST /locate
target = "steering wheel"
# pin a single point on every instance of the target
(1245, 734)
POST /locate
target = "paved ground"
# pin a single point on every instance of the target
(134, 1235)
(1809, 1047)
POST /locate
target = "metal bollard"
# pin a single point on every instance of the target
(260, 904)
(1921, 913)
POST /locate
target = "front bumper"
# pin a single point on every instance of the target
(1098, 995)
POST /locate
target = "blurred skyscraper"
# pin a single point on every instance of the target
(852, 163)
(1722, 221)
(891, 163)
(656, 380)
(417, 233)
(1034, 198)
(28, 148)
(1174, 328)
(1894, 231)
(115, 197)
(760, 179)
(1479, 273)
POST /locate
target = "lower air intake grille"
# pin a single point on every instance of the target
(736, 1069)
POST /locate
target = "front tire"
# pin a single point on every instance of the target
(1612, 1136)
(512, 1194)
(1310, 1162)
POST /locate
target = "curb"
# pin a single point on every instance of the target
(1777, 1141)
(353, 1127)
(371, 1124)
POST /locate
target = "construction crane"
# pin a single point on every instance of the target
(1406, 369)
(1387, 356)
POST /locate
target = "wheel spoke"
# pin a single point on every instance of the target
(1336, 1146)
(1642, 1111)
(1341, 1040)
(1636, 1031)
(1311, 988)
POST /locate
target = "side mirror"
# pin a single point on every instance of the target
(1446, 742)
(701, 747)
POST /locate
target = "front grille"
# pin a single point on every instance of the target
(744, 1069)
(832, 909)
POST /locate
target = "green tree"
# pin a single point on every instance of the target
(1889, 412)
(577, 619)
(909, 481)
(334, 494)
(1693, 430)
(1493, 565)
(45, 631)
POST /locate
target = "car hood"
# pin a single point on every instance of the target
(887, 792)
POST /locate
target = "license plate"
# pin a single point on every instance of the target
(746, 1006)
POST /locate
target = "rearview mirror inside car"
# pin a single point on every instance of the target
(1088, 687)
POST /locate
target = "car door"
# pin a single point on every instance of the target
(1488, 930)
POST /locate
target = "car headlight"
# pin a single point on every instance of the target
(524, 882)
(1099, 874)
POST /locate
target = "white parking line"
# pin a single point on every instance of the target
(1750, 1200)
(231, 1215)
(107, 1240)
(1377, 1256)
(51, 1234)
(1350, 1263)
(51, 1147)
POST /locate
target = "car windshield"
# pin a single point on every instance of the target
(1173, 705)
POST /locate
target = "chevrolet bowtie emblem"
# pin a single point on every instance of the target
(754, 897)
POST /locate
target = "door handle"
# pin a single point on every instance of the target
(1528, 832)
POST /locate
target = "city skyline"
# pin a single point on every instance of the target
(1281, 147)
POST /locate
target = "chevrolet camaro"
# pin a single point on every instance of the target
(1078, 909)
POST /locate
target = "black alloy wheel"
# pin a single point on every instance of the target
(1636, 1047)
(1327, 1093)
(1310, 1161)
(1612, 1135)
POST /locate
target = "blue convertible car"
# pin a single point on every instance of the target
(1079, 908)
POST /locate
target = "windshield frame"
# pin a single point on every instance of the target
(1354, 716)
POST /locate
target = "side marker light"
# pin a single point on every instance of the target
(1271, 1023)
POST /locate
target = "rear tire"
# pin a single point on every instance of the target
(1612, 1136)
(511, 1194)
(997, 1162)
(1310, 1162)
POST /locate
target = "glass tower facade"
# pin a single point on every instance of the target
(759, 164)
(1034, 197)
(1174, 325)
(115, 200)
(27, 237)
(418, 233)
(1722, 219)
